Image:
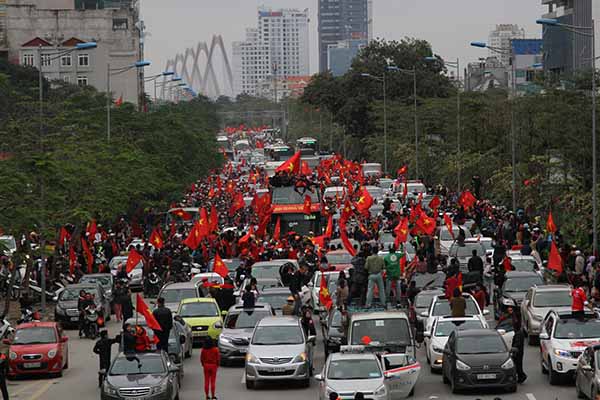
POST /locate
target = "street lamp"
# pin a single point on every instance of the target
(116, 71)
(587, 31)
(155, 78)
(455, 64)
(513, 139)
(382, 79)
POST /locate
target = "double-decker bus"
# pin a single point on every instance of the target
(288, 206)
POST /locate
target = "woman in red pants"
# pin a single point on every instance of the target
(210, 359)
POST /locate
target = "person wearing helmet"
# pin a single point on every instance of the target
(288, 307)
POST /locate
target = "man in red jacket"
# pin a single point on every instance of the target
(210, 359)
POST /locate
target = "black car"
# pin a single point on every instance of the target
(478, 358)
(66, 311)
(276, 297)
(513, 290)
(334, 332)
(141, 376)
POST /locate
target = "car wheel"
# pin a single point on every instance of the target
(188, 353)
(544, 370)
(512, 389)
(453, 386)
(444, 378)
(250, 384)
(412, 392)
(594, 393)
(306, 383)
(532, 340)
(554, 376)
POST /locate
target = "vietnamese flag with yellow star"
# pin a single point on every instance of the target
(324, 295)
(291, 166)
(401, 231)
(142, 308)
(426, 224)
(365, 201)
(219, 267)
(182, 214)
(133, 259)
(195, 237)
(156, 238)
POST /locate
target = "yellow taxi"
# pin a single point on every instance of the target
(204, 317)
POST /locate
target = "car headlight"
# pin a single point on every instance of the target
(110, 390)
(251, 359)
(52, 353)
(381, 391)
(12, 355)
(162, 387)
(563, 353)
(299, 358)
(226, 339)
(461, 366)
(437, 349)
(60, 311)
(218, 325)
(508, 364)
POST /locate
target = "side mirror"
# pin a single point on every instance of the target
(486, 312)
(318, 377)
(182, 339)
(223, 313)
(218, 325)
(587, 368)
(311, 339)
(501, 331)
(173, 368)
(310, 285)
(427, 334)
(544, 336)
(64, 339)
(424, 314)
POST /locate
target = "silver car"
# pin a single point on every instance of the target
(279, 350)
(135, 276)
(173, 293)
(587, 377)
(540, 300)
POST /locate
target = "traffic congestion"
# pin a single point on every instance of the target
(291, 268)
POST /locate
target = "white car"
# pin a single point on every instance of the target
(440, 306)
(315, 286)
(445, 238)
(563, 339)
(436, 338)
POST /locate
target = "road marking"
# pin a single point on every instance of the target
(40, 391)
(243, 379)
(530, 396)
(22, 388)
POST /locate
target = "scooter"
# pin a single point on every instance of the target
(152, 284)
(28, 315)
(92, 322)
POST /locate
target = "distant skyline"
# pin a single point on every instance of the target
(175, 25)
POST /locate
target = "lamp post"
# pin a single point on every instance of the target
(587, 31)
(382, 79)
(455, 64)
(155, 78)
(111, 72)
(504, 50)
(51, 56)
(172, 81)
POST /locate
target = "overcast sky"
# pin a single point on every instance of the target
(449, 25)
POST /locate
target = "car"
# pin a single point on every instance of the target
(587, 376)
(435, 340)
(182, 328)
(421, 304)
(515, 287)
(445, 239)
(372, 169)
(523, 263)
(334, 331)
(275, 297)
(464, 252)
(562, 340)
(271, 269)
(339, 259)
(279, 350)
(135, 275)
(230, 263)
(38, 348)
(203, 315)
(65, 310)
(540, 300)
(237, 330)
(210, 277)
(376, 193)
(333, 191)
(104, 280)
(8, 245)
(331, 278)
(173, 293)
(141, 376)
(440, 306)
(478, 359)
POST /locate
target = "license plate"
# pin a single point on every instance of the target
(200, 333)
(279, 369)
(32, 365)
(242, 351)
(486, 376)
(74, 318)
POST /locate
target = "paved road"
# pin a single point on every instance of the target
(80, 382)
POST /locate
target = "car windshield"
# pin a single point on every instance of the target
(521, 284)
(482, 344)
(73, 294)
(339, 258)
(176, 295)
(134, 366)
(430, 280)
(9, 243)
(555, 298)
(442, 307)
(336, 319)
(277, 335)
(275, 300)
(466, 251)
(265, 283)
(265, 271)
(574, 329)
(287, 195)
(525, 265)
(37, 335)
(423, 300)
(331, 282)
(445, 328)
(353, 369)
(384, 331)
(101, 280)
(208, 309)
(244, 319)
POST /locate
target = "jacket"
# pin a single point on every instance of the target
(103, 349)
(164, 317)
(210, 356)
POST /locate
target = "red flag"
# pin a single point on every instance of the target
(91, 229)
(277, 230)
(426, 224)
(466, 200)
(329, 229)
(305, 169)
(156, 238)
(405, 190)
(319, 241)
(324, 295)
(291, 166)
(307, 205)
(401, 232)
(182, 214)
(550, 225)
(507, 264)
(346, 211)
(119, 101)
(214, 219)
(554, 260)
(345, 240)
(194, 238)
(238, 203)
(133, 259)
(143, 309)
(403, 170)
(244, 239)
(365, 201)
(402, 264)
(448, 222)
(230, 188)
(219, 267)
(211, 193)
(434, 204)
(64, 235)
(88, 255)
(72, 260)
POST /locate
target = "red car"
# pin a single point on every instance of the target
(38, 348)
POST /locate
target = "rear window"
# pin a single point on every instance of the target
(244, 319)
(557, 298)
(442, 307)
(445, 328)
(198, 310)
(466, 250)
(484, 344)
(521, 284)
(176, 295)
(384, 331)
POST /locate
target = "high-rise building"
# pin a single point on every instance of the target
(341, 20)
(38, 29)
(3, 48)
(341, 54)
(500, 38)
(565, 51)
(277, 48)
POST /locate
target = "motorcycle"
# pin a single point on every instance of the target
(92, 322)
(152, 284)
(28, 315)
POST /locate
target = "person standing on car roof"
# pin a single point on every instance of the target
(392, 272)
(359, 275)
(164, 317)
(579, 300)
(375, 266)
